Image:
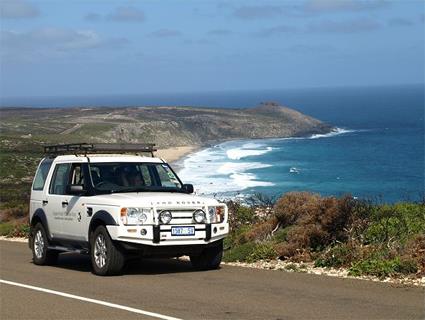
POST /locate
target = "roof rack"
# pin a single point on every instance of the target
(77, 148)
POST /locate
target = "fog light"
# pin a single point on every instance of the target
(215, 229)
(165, 217)
(143, 232)
(199, 216)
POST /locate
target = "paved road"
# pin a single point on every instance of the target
(171, 288)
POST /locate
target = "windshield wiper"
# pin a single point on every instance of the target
(147, 189)
(131, 189)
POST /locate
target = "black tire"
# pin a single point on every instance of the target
(209, 259)
(41, 255)
(110, 259)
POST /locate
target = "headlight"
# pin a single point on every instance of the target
(134, 216)
(211, 213)
(165, 217)
(216, 214)
(199, 216)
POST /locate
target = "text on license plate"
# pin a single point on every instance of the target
(182, 231)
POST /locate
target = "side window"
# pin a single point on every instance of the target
(77, 174)
(60, 178)
(41, 175)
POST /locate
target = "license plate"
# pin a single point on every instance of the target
(182, 231)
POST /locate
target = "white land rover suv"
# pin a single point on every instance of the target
(98, 199)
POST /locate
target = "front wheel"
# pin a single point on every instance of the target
(209, 259)
(106, 258)
(41, 255)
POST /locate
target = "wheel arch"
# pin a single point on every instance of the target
(101, 217)
(40, 216)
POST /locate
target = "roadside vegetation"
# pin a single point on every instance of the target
(365, 237)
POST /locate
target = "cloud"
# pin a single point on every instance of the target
(400, 22)
(282, 29)
(324, 6)
(350, 26)
(17, 9)
(165, 33)
(126, 14)
(220, 32)
(257, 12)
(54, 41)
(92, 17)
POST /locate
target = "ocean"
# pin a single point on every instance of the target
(376, 152)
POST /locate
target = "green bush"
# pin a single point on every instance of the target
(262, 251)
(395, 223)
(281, 235)
(6, 228)
(245, 215)
(239, 253)
(240, 215)
(337, 256)
(382, 268)
(14, 229)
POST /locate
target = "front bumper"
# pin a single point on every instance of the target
(160, 235)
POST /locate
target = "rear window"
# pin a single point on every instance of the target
(41, 175)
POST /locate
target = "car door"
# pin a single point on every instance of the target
(56, 200)
(38, 190)
(74, 223)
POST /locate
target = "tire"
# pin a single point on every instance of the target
(41, 255)
(209, 259)
(106, 258)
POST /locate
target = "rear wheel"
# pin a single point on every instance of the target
(209, 259)
(41, 255)
(106, 258)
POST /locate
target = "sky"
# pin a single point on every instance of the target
(77, 48)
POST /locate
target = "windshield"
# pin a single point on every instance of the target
(134, 177)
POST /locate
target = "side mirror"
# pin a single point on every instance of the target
(188, 188)
(75, 189)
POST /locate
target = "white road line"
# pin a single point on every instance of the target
(103, 303)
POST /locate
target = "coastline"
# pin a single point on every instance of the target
(174, 154)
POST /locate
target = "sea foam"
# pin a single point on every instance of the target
(231, 166)
(333, 133)
(220, 169)
(243, 152)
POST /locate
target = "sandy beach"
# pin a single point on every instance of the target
(176, 153)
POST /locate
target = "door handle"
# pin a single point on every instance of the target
(64, 203)
(44, 202)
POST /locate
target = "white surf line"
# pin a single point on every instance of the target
(103, 303)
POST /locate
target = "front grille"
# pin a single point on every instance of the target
(181, 216)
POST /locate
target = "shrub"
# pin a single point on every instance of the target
(239, 235)
(281, 235)
(316, 221)
(394, 225)
(293, 205)
(338, 256)
(240, 215)
(18, 228)
(261, 231)
(290, 251)
(8, 214)
(6, 228)
(239, 252)
(415, 249)
(262, 251)
(382, 268)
